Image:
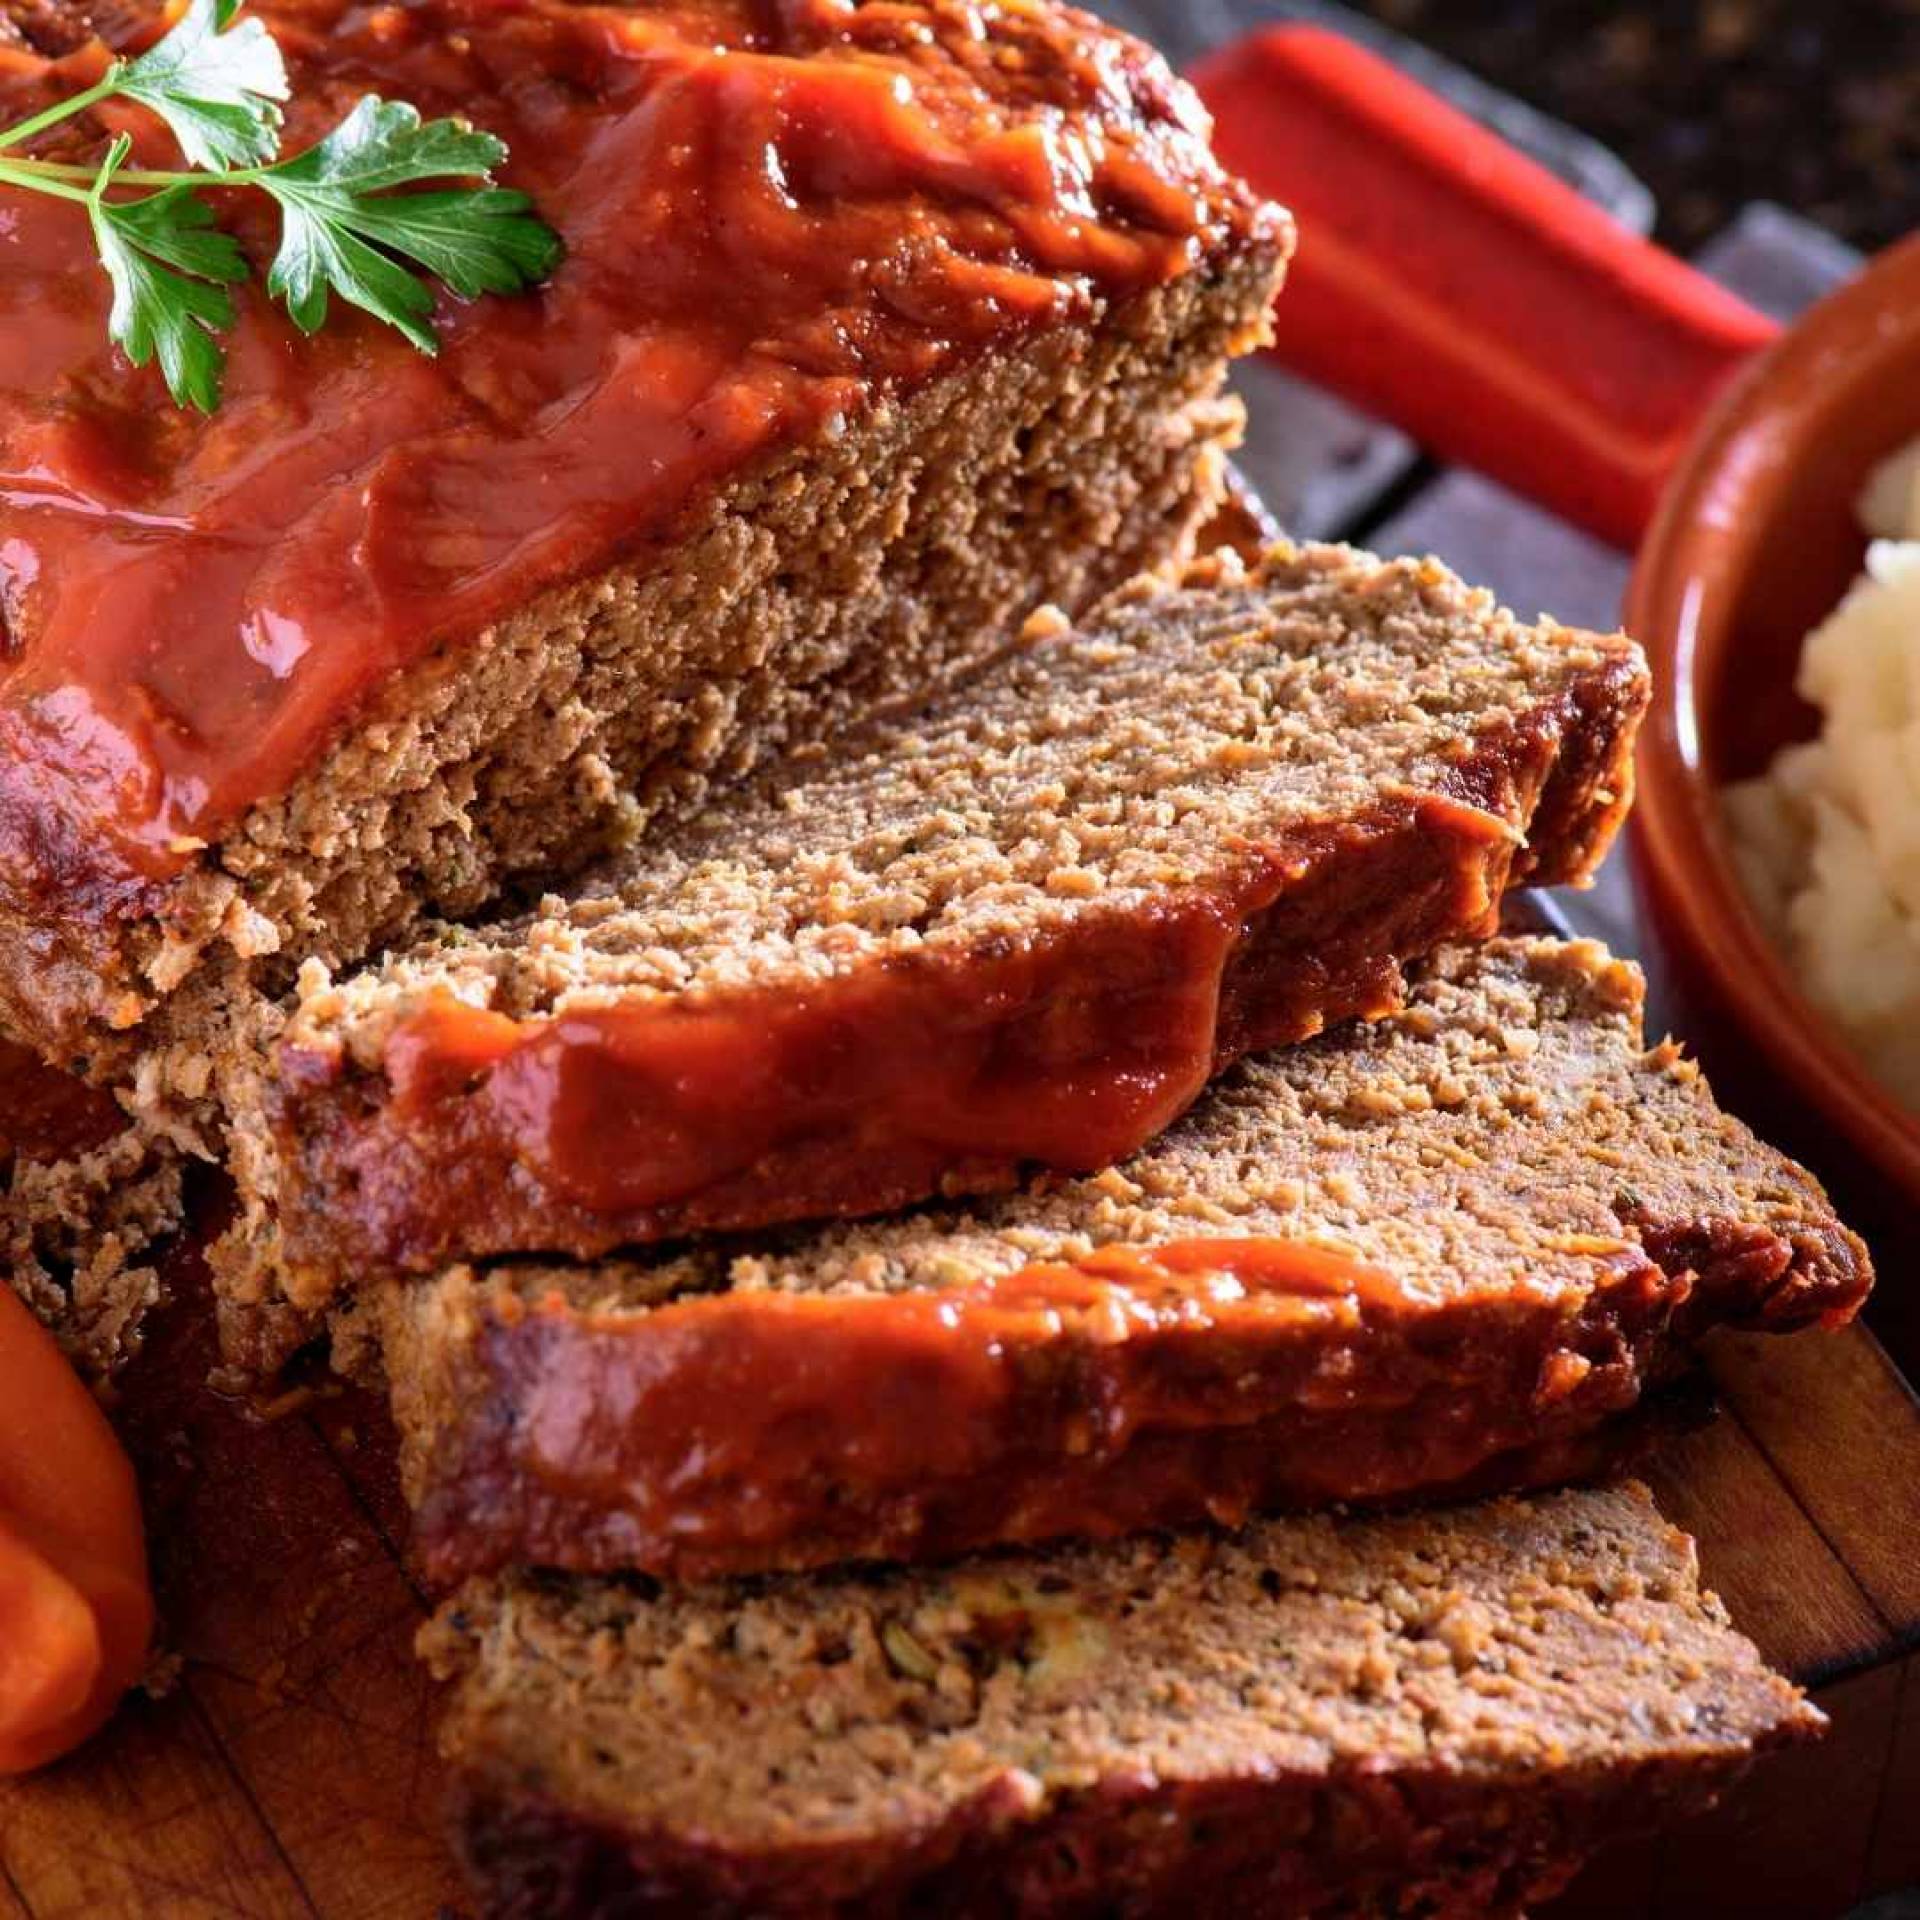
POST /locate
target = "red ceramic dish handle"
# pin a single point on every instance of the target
(1453, 286)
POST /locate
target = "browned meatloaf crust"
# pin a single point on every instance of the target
(1021, 928)
(1435, 1715)
(943, 458)
(1452, 1243)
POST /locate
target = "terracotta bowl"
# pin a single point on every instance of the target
(1754, 543)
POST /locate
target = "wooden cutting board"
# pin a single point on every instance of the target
(288, 1768)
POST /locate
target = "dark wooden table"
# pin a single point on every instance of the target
(1716, 103)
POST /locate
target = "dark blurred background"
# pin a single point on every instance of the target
(1813, 103)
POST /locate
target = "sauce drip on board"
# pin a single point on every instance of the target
(770, 211)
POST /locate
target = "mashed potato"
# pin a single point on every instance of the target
(1828, 842)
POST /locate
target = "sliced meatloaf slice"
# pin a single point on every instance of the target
(1438, 1714)
(1436, 1249)
(1024, 927)
(87, 1197)
(876, 328)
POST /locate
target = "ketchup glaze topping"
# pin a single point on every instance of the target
(771, 209)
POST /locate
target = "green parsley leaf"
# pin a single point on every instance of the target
(168, 264)
(215, 84)
(384, 143)
(341, 232)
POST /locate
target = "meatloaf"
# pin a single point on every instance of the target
(87, 1198)
(1434, 1715)
(1417, 1252)
(878, 326)
(1024, 926)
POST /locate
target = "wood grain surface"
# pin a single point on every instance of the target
(1805, 1499)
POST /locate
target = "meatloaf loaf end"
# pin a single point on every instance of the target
(1023, 927)
(87, 1197)
(878, 327)
(1413, 1253)
(1436, 1715)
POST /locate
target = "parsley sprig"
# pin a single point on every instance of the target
(217, 81)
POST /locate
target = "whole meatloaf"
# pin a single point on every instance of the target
(881, 323)
(1433, 1715)
(1445, 1249)
(1024, 926)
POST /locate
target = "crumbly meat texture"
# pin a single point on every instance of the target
(835, 579)
(87, 1201)
(1216, 818)
(1435, 1715)
(1093, 771)
(849, 577)
(78, 1241)
(1498, 1221)
(1508, 1112)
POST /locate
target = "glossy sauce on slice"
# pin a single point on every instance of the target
(1128, 1387)
(599, 1126)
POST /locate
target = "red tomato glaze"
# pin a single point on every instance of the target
(771, 208)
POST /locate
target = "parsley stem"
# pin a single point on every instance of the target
(25, 174)
(34, 171)
(63, 110)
